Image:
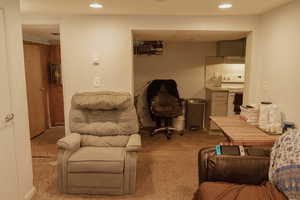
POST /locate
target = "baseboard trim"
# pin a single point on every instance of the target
(30, 194)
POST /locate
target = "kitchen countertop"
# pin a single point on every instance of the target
(223, 89)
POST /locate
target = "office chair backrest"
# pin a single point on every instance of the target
(155, 86)
(163, 99)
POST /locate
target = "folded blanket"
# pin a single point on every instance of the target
(284, 170)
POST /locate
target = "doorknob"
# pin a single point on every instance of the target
(9, 117)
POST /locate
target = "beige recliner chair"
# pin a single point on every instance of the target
(100, 155)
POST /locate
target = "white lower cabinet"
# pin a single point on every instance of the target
(217, 105)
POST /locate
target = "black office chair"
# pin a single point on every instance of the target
(164, 105)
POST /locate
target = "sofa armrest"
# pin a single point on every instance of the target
(203, 157)
(70, 143)
(134, 143)
(234, 169)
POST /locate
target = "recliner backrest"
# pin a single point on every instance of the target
(103, 114)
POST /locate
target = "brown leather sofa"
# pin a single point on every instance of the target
(235, 177)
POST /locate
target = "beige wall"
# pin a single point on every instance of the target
(280, 63)
(18, 93)
(110, 39)
(182, 61)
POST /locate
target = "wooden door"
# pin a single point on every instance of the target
(36, 89)
(56, 105)
(8, 166)
(56, 91)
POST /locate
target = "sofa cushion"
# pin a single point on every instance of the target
(97, 160)
(228, 191)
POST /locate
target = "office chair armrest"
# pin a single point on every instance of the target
(134, 143)
(70, 143)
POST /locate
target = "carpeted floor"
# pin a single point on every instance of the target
(45, 145)
(167, 169)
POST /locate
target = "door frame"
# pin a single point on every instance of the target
(16, 73)
(54, 89)
(7, 73)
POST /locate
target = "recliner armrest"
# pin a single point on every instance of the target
(71, 142)
(134, 143)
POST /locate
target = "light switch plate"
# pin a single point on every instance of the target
(265, 86)
(97, 81)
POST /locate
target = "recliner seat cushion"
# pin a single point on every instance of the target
(97, 160)
(104, 141)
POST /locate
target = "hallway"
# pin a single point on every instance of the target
(45, 144)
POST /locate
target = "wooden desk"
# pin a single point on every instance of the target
(241, 133)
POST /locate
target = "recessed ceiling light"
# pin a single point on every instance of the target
(96, 5)
(225, 5)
